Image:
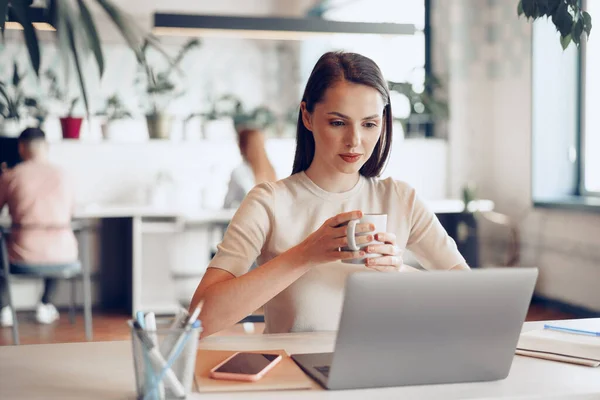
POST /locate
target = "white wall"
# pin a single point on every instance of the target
(485, 52)
(122, 173)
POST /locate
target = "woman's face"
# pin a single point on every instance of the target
(346, 126)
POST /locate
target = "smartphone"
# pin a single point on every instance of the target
(245, 366)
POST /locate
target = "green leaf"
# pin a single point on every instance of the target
(577, 31)
(552, 6)
(529, 8)
(21, 14)
(565, 41)
(128, 30)
(587, 22)
(30, 102)
(72, 105)
(542, 7)
(520, 8)
(4, 93)
(15, 79)
(10, 105)
(3, 14)
(563, 20)
(73, 44)
(189, 45)
(61, 8)
(92, 35)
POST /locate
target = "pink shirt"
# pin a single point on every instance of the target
(40, 201)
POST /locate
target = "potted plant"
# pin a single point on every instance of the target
(161, 89)
(17, 109)
(217, 121)
(76, 32)
(116, 117)
(70, 124)
(426, 108)
(260, 118)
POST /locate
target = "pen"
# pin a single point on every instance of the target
(188, 326)
(178, 323)
(172, 358)
(148, 372)
(139, 364)
(150, 320)
(159, 361)
(571, 330)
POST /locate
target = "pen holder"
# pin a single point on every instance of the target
(164, 361)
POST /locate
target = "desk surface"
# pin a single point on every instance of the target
(104, 370)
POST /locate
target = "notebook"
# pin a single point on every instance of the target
(284, 376)
(560, 346)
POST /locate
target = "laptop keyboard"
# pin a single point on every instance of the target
(323, 370)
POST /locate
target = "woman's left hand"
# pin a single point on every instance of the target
(391, 255)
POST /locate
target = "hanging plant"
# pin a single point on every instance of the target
(570, 20)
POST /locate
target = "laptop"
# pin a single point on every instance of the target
(425, 328)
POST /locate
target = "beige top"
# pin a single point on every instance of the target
(40, 202)
(277, 216)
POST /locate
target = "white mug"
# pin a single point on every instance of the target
(379, 221)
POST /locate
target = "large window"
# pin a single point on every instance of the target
(590, 141)
(565, 118)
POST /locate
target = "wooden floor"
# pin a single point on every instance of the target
(114, 327)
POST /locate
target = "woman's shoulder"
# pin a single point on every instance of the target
(393, 186)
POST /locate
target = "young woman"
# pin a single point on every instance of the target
(293, 227)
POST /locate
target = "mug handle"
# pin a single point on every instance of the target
(350, 232)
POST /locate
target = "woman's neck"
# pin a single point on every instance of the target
(331, 181)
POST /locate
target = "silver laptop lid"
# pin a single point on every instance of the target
(430, 327)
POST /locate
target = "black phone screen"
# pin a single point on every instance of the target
(247, 363)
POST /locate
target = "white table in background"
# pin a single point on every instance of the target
(168, 220)
(104, 370)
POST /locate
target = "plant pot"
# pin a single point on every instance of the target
(71, 127)
(159, 125)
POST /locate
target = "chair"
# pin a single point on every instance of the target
(69, 271)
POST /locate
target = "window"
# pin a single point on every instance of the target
(590, 140)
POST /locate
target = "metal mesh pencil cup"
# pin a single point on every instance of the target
(164, 361)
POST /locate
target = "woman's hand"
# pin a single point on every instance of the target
(324, 245)
(391, 255)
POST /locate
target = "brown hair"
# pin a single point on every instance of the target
(332, 68)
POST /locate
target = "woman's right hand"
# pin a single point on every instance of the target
(326, 243)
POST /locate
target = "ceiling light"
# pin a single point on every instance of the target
(275, 28)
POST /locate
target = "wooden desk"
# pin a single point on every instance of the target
(104, 370)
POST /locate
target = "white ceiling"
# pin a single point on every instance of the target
(143, 10)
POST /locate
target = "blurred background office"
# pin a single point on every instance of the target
(494, 127)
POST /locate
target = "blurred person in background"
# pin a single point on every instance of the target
(254, 169)
(40, 201)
